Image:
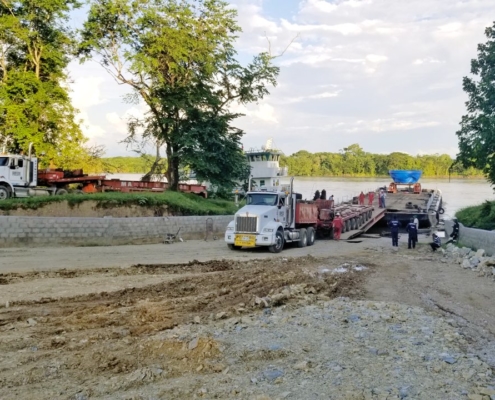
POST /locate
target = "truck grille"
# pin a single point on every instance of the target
(246, 224)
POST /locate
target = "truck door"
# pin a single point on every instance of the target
(282, 210)
(16, 169)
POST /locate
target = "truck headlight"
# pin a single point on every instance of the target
(268, 230)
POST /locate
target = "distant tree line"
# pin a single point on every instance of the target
(354, 161)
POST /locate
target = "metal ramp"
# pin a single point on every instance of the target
(377, 215)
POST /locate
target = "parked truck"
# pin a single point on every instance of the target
(20, 177)
(274, 218)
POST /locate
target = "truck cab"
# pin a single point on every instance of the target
(18, 173)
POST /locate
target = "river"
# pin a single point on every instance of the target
(457, 194)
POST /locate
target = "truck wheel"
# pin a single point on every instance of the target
(348, 225)
(303, 238)
(4, 192)
(77, 191)
(234, 247)
(279, 243)
(61, 192)
(310, 234)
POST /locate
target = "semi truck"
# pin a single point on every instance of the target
(20, 177)
(273, 218)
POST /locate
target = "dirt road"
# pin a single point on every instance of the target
(28, 259)
(83, 323)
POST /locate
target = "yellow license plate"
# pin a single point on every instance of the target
(245, 240)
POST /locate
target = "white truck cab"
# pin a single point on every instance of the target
(18, 175)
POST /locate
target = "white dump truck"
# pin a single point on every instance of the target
(273, 218)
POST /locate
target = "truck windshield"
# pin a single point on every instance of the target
(4, 161)
(262, 199)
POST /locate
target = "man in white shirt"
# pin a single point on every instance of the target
(416, 222)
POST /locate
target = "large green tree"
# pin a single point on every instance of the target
(178, 56)
(35, 49)
(477, 133)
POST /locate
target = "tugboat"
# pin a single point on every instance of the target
(406, 199)
(266, 172)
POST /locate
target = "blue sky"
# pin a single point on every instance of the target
(386, 74)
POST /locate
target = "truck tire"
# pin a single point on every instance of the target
(310, 233)
(279, 243)
(61, 192)
(234, 247)
(303, 238)
(4, 192)
(348, 225)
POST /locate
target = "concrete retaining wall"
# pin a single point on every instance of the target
(474, 238)
(46, 231)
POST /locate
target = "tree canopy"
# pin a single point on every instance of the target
(354, 161)
(178, 57)
(477, 132)
(35, 49)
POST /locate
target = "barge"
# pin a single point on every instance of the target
(406, 198)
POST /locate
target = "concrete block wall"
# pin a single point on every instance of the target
(474, 238)
(48, 231)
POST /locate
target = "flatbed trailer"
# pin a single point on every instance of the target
(60, 181)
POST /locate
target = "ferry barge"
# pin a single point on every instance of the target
(406, 198)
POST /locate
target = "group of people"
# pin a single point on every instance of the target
(322, 195)
(362, 196)
(412, 230)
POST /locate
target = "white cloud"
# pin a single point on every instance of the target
(378, 73)
(374, 58)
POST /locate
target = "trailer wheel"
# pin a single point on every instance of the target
(61, 192)
(279, 243)
(348, 225)
(234, 247)
(370, 214)
(303, 238)
(311, 236)
(4, 192)
(77, 191)
(353, 224)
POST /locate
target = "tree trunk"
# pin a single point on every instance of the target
(175, 173)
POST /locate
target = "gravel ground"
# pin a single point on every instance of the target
(339, 349)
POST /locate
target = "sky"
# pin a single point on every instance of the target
(386, 74)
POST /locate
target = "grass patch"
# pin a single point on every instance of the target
(181, 203)
(481, 216)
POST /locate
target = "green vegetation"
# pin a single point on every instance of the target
(477, 133)
(180, 203)
(481, 216)
(35, 106)
(178, 57)
(354, 161)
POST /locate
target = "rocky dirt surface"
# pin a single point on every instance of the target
(356, 322)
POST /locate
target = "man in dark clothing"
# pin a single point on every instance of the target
(323, 195)
(436, 243)
(317, 195)
(412, 230)
(394, 226)
(455, 232)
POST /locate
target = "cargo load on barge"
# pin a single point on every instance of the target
(406, 199)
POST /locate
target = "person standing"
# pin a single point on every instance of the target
(317, 195)
(436, 242)
(371, 197)
(412, 231)
(383, 196)
(323, 195)
(394, 226)
(416, 222)
(361, 199)
(380, 205)
(337, 225)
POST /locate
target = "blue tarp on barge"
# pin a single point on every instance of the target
(405, 176)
